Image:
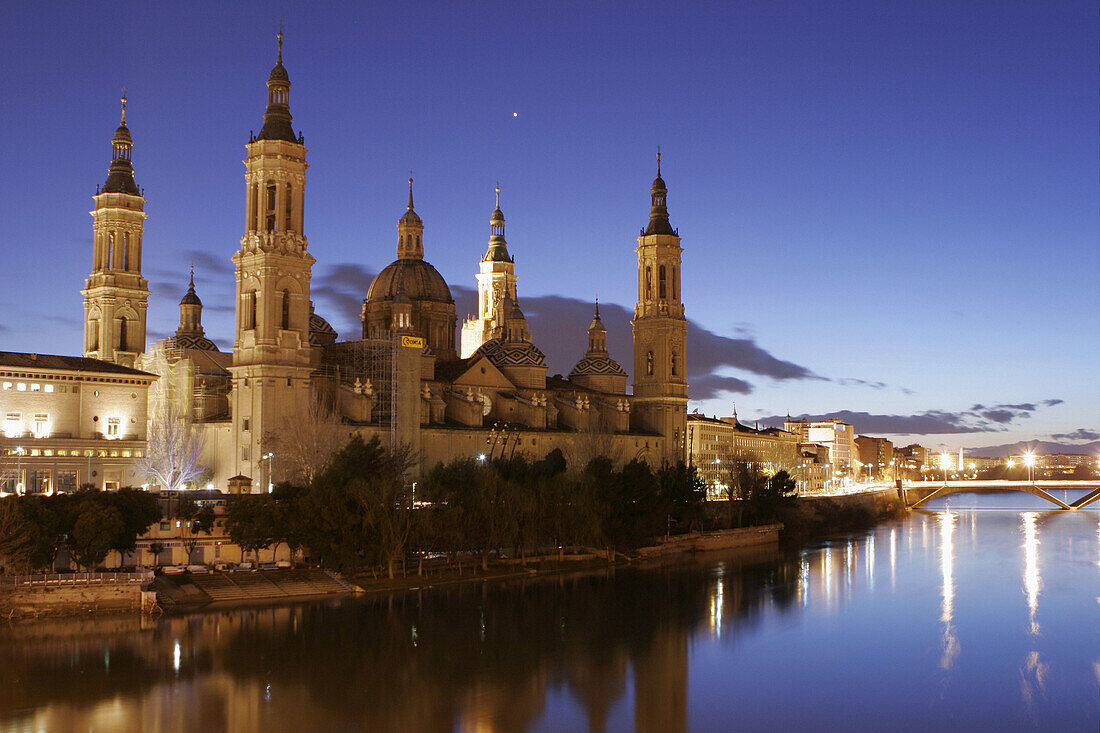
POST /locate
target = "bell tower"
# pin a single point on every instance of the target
(116, 296)
(660, 330)
(496, 282)
(272, 357)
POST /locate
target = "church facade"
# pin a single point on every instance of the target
(412, 376)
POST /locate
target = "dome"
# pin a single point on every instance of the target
(411, 217)
(503, 354)
(597, 364)
(194, 342)
(278, 73)
(415, 278)
(659, 184)
(123, 134)
(190, 298)
(320, 332)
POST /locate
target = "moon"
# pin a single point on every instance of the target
(515, 114)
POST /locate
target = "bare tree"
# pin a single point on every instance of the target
(304, 444)
(173, 448)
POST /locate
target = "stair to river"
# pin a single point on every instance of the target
(262, 585)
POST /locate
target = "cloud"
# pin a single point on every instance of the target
(1078, 434)
(978, 419)
(711, 385)
(338, 292)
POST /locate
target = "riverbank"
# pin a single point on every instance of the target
(815, 516)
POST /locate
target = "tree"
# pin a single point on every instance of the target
(304, 445)
(744, 479)
(138, 510)
(173, 449)
(17, 550)
(249, 522)
(196, 520)
(94, 533)
(777, 491)
(386, 503)
(682, 492)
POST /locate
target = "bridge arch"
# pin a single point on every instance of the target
(1034, 490)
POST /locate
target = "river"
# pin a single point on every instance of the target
(980, 613)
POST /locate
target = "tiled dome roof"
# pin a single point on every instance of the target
(413, 277)
(591, 365)
(504, 354)
(195, 342)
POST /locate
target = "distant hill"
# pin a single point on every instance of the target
(1039, 446)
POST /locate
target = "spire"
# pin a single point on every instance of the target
(597, 334)
(120, 176)
(277, 119)
(498, 246)
(410, 231)
(658, 211)
(190, 297)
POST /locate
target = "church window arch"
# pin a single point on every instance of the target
(675, 364)
(661, 282)
(248, 311)
(270, 209)
(123, 335)
(648, 282)
(110, 263)
(286, 310)
(289, 225)
(649, 363)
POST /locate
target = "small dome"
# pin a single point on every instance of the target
(191, 298)
(503, 354)
(659, 184)
(278, 73)
(195, 342)
(123, 134)
(597, 365)
(411, 217)
(415, 278)
(320, 332)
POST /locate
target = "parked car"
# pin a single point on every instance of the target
(197, 569)
(284, 564)
(173, 570)
(244, 567)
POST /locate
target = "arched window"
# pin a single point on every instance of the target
(248, 311)
(661, 282)
(649, 363)
(125, 250)
(110, 264)
(286, 310)
(675, 366)
(288, 208)
(648, 283)
(270, 207)
(122, 335)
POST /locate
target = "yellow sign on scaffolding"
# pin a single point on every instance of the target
(413, 342)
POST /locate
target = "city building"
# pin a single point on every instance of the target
(714, 444)
(877, 458)
(69, 421)
(838, 437)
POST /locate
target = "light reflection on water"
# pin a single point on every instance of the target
(988, 621)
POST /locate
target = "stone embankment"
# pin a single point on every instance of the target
(202, 589)
(68, 594)
(815, 515)
(725, 539)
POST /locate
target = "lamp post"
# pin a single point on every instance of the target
(1029, 461)
(19, 471)
(267, 457)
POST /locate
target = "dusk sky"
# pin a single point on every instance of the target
(890, 212)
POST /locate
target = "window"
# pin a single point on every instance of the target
(286, 310)
(271, 207)
(35, 387)
(49, 388)
(41, 425)
(674, 364)
(7, 386)
(13, 424)
(248, 311)
(122, 340)
(661, 282)
(21, 387)
(289, 226)
(245, 425)
(112, 427)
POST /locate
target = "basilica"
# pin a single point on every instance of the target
(413, 376)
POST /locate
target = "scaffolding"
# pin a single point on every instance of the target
(370, 364)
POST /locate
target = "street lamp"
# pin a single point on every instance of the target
(1029, 461)
(19, 471)
(267, 457)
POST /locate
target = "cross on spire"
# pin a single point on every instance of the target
(123, 100)
(279, 35)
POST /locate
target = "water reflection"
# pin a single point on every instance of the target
(1031, 569)
(947, 607)
(757, 640)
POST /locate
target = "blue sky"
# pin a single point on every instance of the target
(890, 209)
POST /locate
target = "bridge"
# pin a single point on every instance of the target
(1037, 488)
